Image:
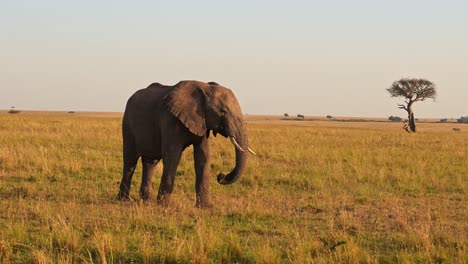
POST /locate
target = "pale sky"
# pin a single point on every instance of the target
(309, 57)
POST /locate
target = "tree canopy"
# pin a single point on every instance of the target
(413, 90)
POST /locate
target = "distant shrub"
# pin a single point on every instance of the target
(329, 116)
(13, 111)
(71, 112)
(395, 119)
(286, 115)
(300, 116)
(444, 120)
(463, 119)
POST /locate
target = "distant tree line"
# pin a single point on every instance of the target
(463, 120)
(395, 119)
(299, 116)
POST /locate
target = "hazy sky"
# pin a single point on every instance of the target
(308, 57)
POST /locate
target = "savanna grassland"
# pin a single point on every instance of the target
(317, 192)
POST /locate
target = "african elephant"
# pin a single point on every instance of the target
(161, 121)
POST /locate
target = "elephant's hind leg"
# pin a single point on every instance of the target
(146, 188)
(128, 169)
(130, 159)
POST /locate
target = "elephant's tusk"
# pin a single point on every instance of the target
(234, 142)
(251, 151)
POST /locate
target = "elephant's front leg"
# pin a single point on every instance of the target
(170, 162)
(201, 153)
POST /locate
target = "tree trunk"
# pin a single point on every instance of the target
(412, 123)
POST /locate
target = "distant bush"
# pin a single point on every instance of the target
(463, 119)
(71, 112)
(13, 111)
(395, 119)
(329, 116)
(444, 120)
(286, 115)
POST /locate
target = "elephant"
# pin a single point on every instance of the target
(161, 121)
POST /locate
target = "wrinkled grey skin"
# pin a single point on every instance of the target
(161, 121)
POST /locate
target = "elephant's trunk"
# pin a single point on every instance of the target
(241, 146)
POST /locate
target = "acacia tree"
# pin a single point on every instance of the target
(413, 90)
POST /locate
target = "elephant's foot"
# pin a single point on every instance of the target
(204, 205)
(164, 199)
(121, 196)
(203, 202)
(146, 194)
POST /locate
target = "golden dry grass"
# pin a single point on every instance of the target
(318, 192)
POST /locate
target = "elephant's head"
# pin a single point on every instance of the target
(204, 107)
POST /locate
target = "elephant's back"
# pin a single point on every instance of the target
(147, 100)
(151, 95)
(141, 117)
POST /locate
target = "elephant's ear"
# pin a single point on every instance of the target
(186, 101)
